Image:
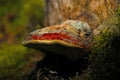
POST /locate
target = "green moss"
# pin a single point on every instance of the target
(118, 11)
(105, 56)
(12, 60)
(11, 53)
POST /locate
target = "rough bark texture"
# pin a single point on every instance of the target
(92, 11)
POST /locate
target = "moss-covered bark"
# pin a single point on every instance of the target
(105, 56)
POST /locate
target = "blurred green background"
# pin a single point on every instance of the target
(17, 19)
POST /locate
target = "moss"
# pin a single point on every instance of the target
(12, 60)
(118, 11)
(105, 56)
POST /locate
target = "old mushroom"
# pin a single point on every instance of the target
(72, 39)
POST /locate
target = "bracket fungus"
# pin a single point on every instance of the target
(72, 39)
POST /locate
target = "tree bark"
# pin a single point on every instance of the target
(92, 11)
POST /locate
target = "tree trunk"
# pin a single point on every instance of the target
(92, 11)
